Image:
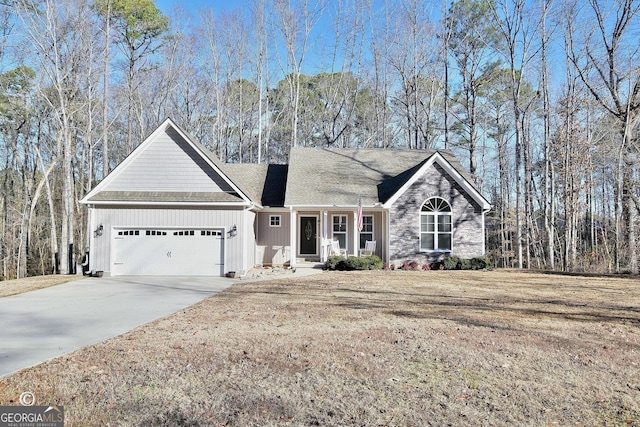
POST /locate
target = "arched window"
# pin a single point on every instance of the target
(435, 225)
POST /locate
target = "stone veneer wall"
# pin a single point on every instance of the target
(466, 218)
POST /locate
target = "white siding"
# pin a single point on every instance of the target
(170, 164)
(236, 247)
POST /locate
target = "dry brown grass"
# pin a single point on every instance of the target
(367, 349)
(28, 284)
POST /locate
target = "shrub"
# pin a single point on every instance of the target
(465, 264)
(357, 263)
(341, 263)
(452, 262)
(336, 262)
(456, 263)
(375, 262)
(480, 263)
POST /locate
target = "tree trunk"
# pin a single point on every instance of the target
(549, 214)
(105, 93)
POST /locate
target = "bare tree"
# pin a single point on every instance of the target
(138, 26)
(472, 42)
(54, 31)
(19, 172)
(549, 189)
(377, 74)
(339, 89)
(607, 60)
(517, 29)
(414, 61)
(213, 54)
(294, 21)
(259, 13)
(103, 9)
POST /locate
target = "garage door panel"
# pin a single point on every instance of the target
(168, 252)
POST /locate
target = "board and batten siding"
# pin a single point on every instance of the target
(238, 249)
(170, 164)
(273, 243)
(466, 219)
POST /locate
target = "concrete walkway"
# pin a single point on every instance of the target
(40, 325)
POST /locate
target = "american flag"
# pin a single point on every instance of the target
(360, 213)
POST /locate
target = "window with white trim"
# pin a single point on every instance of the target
(435, 225)
(274, 220)
(339, 230)
(367, 230)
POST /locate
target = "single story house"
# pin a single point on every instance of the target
(173, 208)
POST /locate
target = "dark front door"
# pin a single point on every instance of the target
(308, 234)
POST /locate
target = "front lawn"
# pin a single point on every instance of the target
(367, 348)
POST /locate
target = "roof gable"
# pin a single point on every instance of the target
(169, 167)
(446, 160)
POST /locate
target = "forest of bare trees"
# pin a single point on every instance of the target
(540, 99)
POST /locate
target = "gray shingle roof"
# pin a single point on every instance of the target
(266, 183)
(324, 177)
(314, 177)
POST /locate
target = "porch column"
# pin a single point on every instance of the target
(387, 243)
(293, 226)
(325, 237)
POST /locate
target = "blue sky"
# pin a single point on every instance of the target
(193, 5)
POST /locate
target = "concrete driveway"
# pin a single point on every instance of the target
(40, 325)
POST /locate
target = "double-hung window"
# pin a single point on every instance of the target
(367, 230)
(340, 230)
(435, 225)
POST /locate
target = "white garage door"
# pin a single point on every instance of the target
(164, 252)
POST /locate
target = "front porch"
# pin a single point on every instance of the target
(312, 232)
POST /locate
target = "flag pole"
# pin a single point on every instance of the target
(359, 222)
